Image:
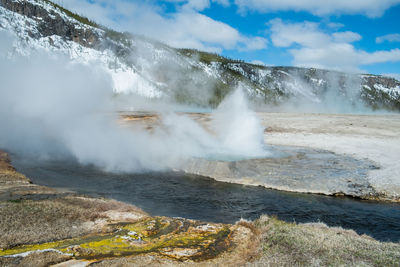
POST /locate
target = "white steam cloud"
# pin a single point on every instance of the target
(52, 108)
(238, 128)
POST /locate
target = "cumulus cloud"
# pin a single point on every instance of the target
(305, 34)
(254, 43)
(196, 4)
(346, 37)
(394, 37)
(185, 27)
(370, 8)
(224, 3)
(335, 25)
(312, 47)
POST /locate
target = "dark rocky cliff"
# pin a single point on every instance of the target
(51, 23)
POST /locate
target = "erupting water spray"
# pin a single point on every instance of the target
(64, 110)
(238, 129)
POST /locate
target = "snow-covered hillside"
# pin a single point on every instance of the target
(33, 22)
(154, 70)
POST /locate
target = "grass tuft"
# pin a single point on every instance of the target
(290, 244)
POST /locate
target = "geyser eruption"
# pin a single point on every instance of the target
(52, 108)
(238, 129)
(235, 132)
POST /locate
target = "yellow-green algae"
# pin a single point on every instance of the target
(154, 234)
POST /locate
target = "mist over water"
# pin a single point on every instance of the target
(52, 108)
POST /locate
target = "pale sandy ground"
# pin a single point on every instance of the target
(372, 137)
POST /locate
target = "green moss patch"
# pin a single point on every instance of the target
(180, 239)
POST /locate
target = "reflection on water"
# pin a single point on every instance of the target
(189, 196)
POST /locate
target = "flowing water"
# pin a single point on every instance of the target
(195, 197)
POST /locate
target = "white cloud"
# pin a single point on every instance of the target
(335, 25)
(224, 3)
(346, 37)
(254, 43)
(312, 47)
(392, 55)
(370, 8)
(195, 26)
(305, 34)
(185, 28)
(197, 5)
(393, 75)
(200, 4)
(394, 37)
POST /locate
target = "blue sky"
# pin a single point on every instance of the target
(346, 35)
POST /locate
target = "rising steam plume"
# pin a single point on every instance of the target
(52, 108)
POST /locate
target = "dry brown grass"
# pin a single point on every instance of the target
(26, 221)
(37, 259)
(289, 244)
(8, 174)
(29, 221)
(252, 250)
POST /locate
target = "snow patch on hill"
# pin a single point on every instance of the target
(125, 78)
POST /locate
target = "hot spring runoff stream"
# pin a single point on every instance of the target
(195, 197)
